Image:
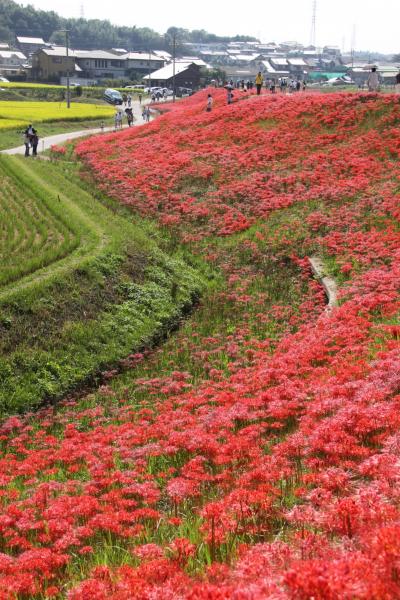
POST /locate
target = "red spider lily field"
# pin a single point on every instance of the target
(255, 453)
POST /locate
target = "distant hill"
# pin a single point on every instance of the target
(91, 33)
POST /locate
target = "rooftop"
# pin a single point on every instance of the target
(30, 40)
(11, 53)
(141, 56)
(167, 72)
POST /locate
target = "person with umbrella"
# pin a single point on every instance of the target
(229, 94)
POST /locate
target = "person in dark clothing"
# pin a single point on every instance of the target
(34, 143)
(129, 116)
(27, 143)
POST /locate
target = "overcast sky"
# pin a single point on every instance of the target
(376, 23)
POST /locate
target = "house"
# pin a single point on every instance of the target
(11, 62)
(194, 59)
(142, 62)
(274, 71)
(29, 45)
(100, 64)
(280, 64)
(187, 74)
(163, 54)
(298, 66)
(50, 64)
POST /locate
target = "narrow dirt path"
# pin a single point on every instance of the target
(329, 284)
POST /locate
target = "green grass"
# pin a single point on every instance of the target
(13, 137)
(91, 289)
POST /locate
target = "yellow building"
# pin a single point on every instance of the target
(49, 64)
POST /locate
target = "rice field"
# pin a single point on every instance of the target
(18, 114)
(33, 234)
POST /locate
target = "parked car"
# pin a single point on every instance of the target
(182, 91)
(343, 80)
(112, 97)
(4, 80)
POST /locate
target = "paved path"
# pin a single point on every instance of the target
(60, 138)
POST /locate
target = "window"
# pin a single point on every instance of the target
(56, 59)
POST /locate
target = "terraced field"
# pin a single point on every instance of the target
(79, 286)
(33, 233)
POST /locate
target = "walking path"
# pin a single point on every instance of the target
(46, 142)
(329, 284)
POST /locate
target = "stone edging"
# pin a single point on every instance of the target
(329, 284)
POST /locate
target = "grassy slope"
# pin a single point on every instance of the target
(112, 294)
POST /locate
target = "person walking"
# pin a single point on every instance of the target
(373, 80)
(259, 82)
(140, 98)
(129, 116)
(118, 120)
(229, 96)
(34, 142)
(27, 143)
(209, 103)
(147, 111)
(129, 100)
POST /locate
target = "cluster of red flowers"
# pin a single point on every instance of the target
(277, 476)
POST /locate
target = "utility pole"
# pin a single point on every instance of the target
(173, 65)
(313, 36)
(353, 46)
(67, 53)
(149, 70)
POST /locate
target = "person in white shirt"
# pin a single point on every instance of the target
(373, 80)
(209, 103)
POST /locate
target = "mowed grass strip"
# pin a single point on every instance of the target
(16, 114)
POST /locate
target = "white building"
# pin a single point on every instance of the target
(11, 62)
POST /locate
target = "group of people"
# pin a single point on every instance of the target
(31, 140)
(284, 84)
(156, 96)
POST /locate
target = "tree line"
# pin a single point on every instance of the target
(17, 20)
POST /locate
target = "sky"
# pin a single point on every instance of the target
(372, 25)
